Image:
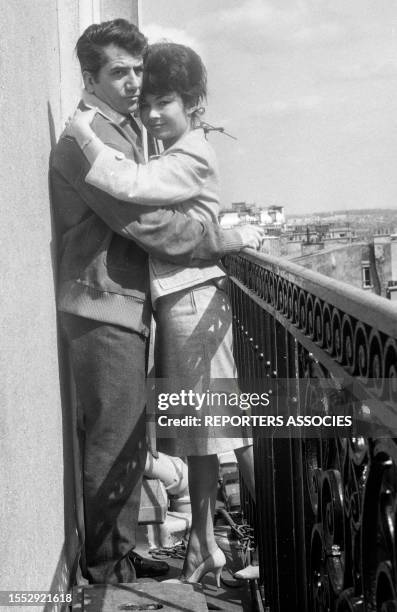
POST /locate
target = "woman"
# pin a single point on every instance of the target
(192, 311)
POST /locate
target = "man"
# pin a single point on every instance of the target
(103, 296)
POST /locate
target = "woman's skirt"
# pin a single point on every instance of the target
(194, 352)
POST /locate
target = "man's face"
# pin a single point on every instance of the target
(119, 81)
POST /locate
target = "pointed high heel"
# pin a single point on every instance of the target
(213, 563)
(217, 574)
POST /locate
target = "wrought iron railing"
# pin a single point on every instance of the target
(326, 506)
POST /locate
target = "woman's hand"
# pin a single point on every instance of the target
(79, 126)
(252, 236)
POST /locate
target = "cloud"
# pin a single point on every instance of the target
(307, 87)
(283, 106)
(155, 33)
(319, 34)
(301, 104)
(385, 70)
(361, 71)
(263, 24)
(255, 13)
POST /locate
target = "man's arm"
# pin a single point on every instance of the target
(164, 233)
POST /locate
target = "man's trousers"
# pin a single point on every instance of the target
(109, 370)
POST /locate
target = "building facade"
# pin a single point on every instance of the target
(40, 85)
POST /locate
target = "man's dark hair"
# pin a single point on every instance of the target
(172, 67)
(89, 47)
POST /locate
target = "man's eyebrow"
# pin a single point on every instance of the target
(119, 67)
(122, 66)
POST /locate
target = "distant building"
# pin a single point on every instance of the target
(391, 290)
(242, 212)
(370, 266)
(272, 245)
(328, 244)
(239, 207)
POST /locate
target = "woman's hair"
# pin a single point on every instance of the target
(172, 67)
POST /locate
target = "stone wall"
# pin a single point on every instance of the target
(39, 86)
(342, 263)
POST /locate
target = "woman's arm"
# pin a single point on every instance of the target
(79, 127)
(165, 181)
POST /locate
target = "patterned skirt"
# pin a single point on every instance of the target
(193, 350)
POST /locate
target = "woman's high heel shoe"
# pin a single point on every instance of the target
(213, 563)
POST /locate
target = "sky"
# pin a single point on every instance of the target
(308, 87)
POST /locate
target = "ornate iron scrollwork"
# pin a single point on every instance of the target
(344, 488)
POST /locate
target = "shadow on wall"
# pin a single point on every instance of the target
(374, 270)
(67, 569)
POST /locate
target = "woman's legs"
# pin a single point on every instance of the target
(245, 460)
(194, 345)
(203, 482)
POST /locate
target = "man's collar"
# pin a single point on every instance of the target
(107, 111)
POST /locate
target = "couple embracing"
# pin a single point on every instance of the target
(139, 240)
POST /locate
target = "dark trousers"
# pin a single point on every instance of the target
(109, 369)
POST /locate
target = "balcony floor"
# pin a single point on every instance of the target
(233, 595)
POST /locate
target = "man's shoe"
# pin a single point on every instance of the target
(148, 568)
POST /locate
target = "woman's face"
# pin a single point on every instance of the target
(165, 117)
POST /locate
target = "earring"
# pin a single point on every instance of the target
(199, 110)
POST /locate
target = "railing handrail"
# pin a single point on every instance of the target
(374, 310)
(325, 505)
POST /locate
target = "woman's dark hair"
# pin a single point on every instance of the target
(120, 32)
(172, 67)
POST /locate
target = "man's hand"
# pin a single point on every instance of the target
(251, 235)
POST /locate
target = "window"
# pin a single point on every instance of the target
(366, 275)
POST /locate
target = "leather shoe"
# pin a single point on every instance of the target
(148, 568)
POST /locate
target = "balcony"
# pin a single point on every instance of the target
(325, 512)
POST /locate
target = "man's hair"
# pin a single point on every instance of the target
(89, 47)
(172, 67)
